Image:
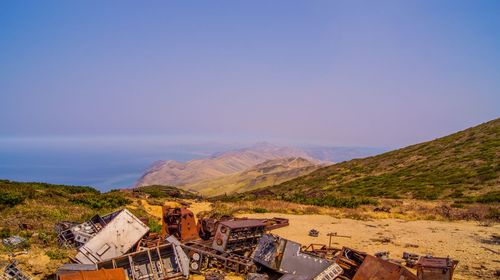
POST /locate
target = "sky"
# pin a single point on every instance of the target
(351, 73)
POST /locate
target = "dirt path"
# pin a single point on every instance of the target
(464, 241)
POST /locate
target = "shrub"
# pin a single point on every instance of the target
(332, 201)
(490, 197)
(493, 214)
(154, 226)
(104, 201)
(4, 233)
(56, 254)
(10, 198)
(259, 210)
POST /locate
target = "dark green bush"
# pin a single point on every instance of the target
(10, 198)
(4, 233)
(56, 254)
(332, 201)
(259, 210)
(490, 197)
(103, 201)
(154, 226)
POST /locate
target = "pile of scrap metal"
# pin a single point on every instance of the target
(224, 244)
(287, 257)
(181, 223)
(120, 247)
(121, 241)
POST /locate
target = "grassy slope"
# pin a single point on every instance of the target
(466, 163)
(41, 205)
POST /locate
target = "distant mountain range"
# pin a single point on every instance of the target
(260, 165)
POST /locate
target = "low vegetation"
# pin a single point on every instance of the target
(160, 191)
(464, 166)
(39, 206)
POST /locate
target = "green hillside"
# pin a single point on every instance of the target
(41, 205)
(464, 166)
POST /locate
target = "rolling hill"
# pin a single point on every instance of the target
(268, 173)
(464, 166)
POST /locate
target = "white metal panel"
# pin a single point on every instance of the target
(120, 234)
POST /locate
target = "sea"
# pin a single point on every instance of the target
(103, 166)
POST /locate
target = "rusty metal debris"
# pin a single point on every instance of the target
(104, 274)
(24, 226)
(382, 209)
(285, 256)
(375, 268)
(72, 234)
(202, 256)
(238, 235)
(13, 241)
(115, 239)
(431, 268)
(180, 223)
(410, 259)
(163, 262)
(227, 245)
(321, 250)
(12, 272)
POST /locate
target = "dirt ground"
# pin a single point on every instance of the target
(467, 242)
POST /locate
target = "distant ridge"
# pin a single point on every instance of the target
(268, 173)
(175, 173)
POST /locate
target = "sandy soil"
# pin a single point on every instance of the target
(463, 241)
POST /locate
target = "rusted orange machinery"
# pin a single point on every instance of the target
(179, 222)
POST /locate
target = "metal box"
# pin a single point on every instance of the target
(114, 240)
(238, 235)
(285, 256)
(430, 268)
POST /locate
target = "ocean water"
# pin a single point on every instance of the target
(102, 166)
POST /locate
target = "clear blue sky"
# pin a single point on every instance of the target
(372, 73)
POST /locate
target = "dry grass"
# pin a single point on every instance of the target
(400, 209)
